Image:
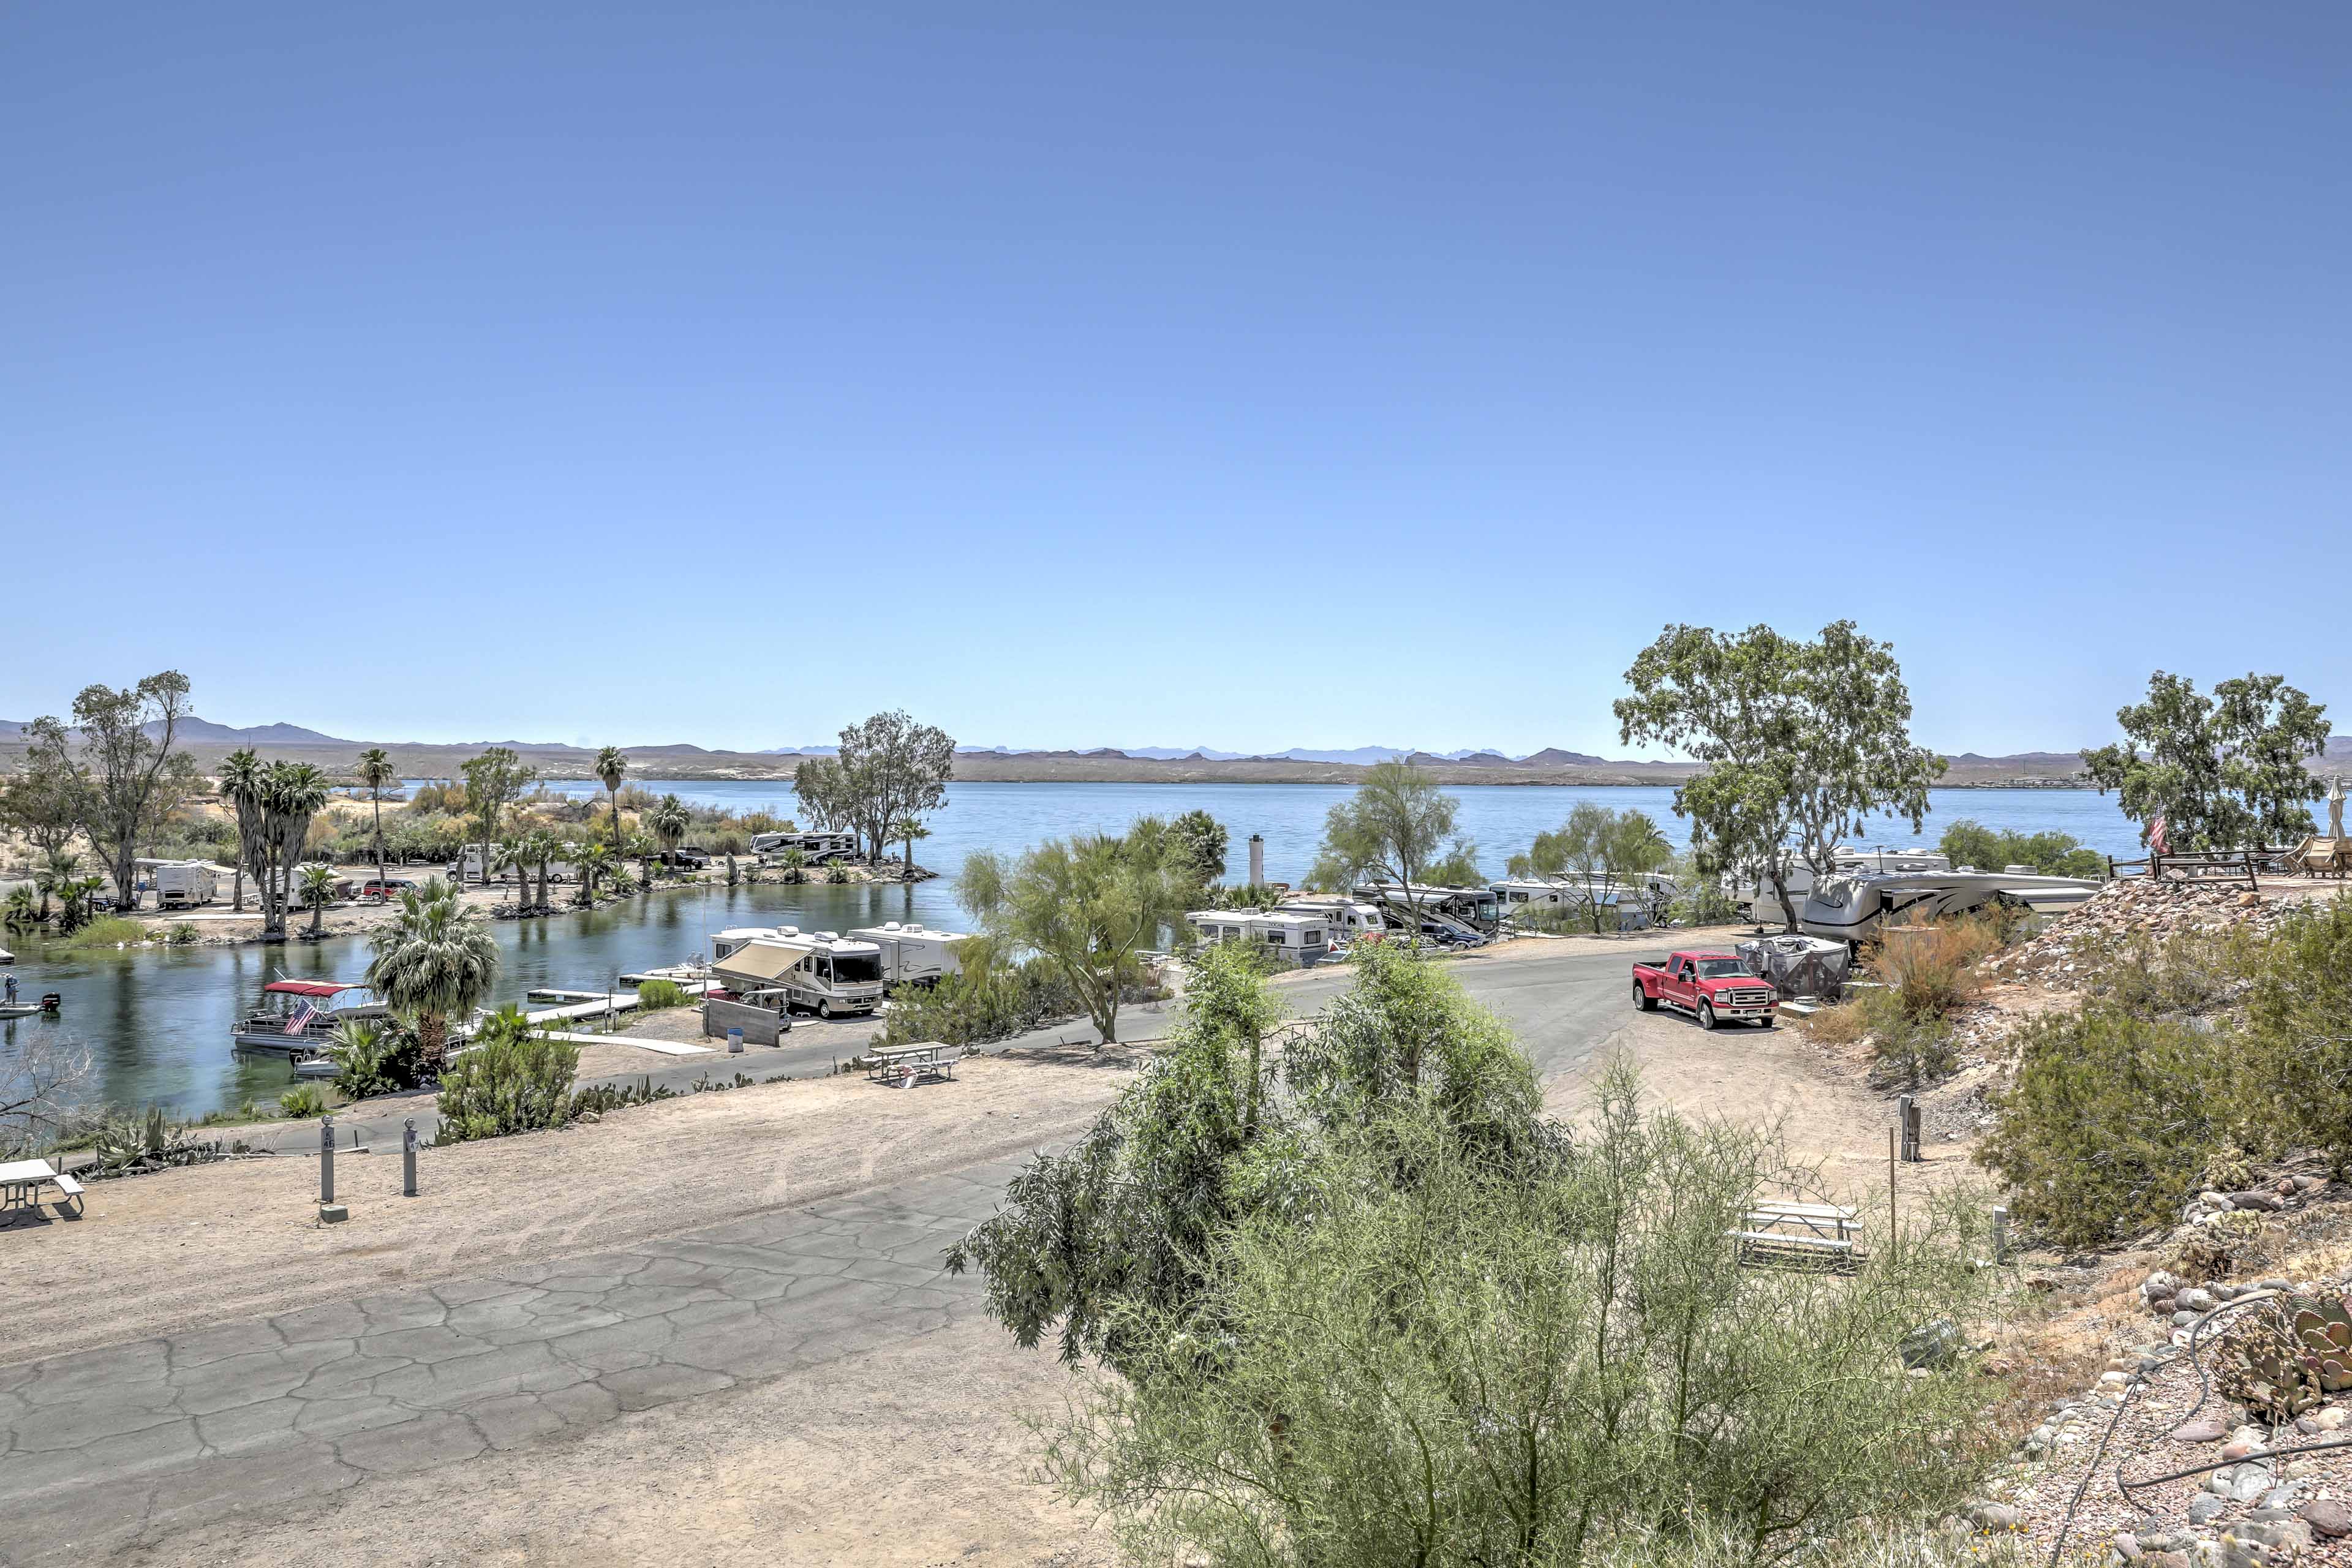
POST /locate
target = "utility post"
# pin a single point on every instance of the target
(408, 1158)
(329, 1211)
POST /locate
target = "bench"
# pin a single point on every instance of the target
(905, 1066)
(22, 1181)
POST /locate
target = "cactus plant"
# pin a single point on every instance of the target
(2284, 1356)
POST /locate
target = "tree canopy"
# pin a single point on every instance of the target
(1597, 846)
(1089, 905)
(1968, 842)
(1397, 828)
(1201, 841)
(2222, 772)
(118, 766)
(494, 780)
(1803, 741)
(889, 771)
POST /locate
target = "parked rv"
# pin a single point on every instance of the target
(816, 847)
(1285, 937)
(1473, 909)
(182, 884)
(1756, 900)
(823, 972)
(1850, 908)
(1349, 918)
(912, 955)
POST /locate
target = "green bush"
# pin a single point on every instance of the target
(2113, 1117)
(509, 1080)
(304, 1100)
(2298, 1011)
(1970, 843)
(376, 1059)
(107, 931)
(601, 1098)
(655, 995)
(987, 1001)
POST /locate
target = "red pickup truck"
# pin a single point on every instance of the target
(1712, 986)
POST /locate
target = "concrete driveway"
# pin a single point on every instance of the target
(117, 1448)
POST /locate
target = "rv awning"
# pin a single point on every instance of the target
(310, 987)
(759, 960)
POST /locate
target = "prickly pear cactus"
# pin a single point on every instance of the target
(2322, 1332)
(2264, 1366)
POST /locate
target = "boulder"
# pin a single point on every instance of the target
(2326, 1516)
(2204, 1429)
(2194, 1300)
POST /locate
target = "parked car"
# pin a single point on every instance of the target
(1710, 987)
(390, 888)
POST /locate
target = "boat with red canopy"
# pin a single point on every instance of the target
(298, 1017)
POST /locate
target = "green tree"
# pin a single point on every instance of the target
(494, 780)
(612, 767)
(119, 767)
(2220, 772)
(1803, 743)
(908, 830)
(1201, 841)
(1968, 842)
(888, 770)
(433, 962)
(39, 800)
(1604, 849)
(375, 771)
(670, 820)
(318, 885)
(513, 855)
(1552, 1365)
(1089, 905)
(242, 777)
(285, 797)
(1395, 827)
(597, 864)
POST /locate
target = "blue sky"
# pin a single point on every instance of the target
(1249, 375)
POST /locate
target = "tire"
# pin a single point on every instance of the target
(1705, 1015)
(1643, 1000)
(824, 1011)
(1763, 1022)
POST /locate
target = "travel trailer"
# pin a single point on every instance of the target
(822, 972)
(912, 955)
(816, 847)
(1349, 918)
(182, 884)
(1756, 900)
(1285, 937)
(1850, 907)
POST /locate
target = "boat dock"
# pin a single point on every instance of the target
(573, 1007)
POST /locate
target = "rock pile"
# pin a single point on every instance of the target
(2123, 909)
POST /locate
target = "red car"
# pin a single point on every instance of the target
(390, 888)
(1710, 987)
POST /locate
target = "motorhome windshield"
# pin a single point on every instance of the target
(854, 968)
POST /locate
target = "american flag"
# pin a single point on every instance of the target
(2159, 837)
(302, 1018)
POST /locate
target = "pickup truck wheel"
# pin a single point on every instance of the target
(1763, 1022)
(1643, 1000)
(1706, 1013)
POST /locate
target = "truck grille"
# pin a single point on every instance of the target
(1746, 997)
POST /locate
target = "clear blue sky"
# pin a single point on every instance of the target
(1250, 375)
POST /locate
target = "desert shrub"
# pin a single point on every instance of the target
(2298, 1020)
(601, 1098)
(656, 995)
(1847, 1023)
(2194, 974)
(1910, 1050)
(304, 1100)
(1931, 967)
(509, 1080)
(2112, 1118)
(375, 1058)
(183, 935)
(126, 1143)
(1555, 1362)
(988, 1000)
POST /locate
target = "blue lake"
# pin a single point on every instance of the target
(156, 1020)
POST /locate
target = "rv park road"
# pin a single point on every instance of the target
(202, 1445)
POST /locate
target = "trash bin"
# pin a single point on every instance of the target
(734, 1042)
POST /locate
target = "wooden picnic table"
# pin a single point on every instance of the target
(21, 1181)
(902, 1067)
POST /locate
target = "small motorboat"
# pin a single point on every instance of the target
(48, 1005)
(317, 1067)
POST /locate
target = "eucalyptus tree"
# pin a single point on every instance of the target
(888, 770)
(2219, 772)
(434, 962)
(119, 767)
(38, 801)
(494, 780)
(1803, 743)
(375, 771)
(612, 767)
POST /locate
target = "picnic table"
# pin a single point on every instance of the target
(903, 1066)
(1776, 1235)
(21, 1182)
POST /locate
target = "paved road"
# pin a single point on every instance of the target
(107, 1448)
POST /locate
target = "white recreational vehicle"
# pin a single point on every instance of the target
(912, 955)
(1756, 900)
(1285, 936)
(816, 848)
(1850, 907)
(182, 884)
(822, 972)
(1467, 914)
(1350, 918)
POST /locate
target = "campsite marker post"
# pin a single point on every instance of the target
(408, 1158)
(329, 1211)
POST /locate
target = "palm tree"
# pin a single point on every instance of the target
(596, 862)
(612, 767)
(375, 771)
(544, 848)
(910, 829)
(291, 795)
(432, 962)
(669, 822)
(640, 848)
(318, 889)
(241, 778)
(61, 869)
(514, 853)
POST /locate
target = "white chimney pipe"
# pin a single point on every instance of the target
(1257, 861)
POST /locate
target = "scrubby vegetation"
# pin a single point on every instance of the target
(1968, 842)
(656, 996)
(1922, 974)
(2185, 1059)
(992, 999)
(510, 1080)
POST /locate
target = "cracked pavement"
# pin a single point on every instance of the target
(112, 1448)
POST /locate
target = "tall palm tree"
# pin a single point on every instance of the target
(432, 961)
(513, 854)
(375, 771)
(544, 848)
(318, 890)
(596, 863)
(241, 778)
(669, 822)
(640, 848)
(612, 767)
(910, 828)
(291, 795)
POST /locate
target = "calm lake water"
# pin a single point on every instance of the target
(157, 1019)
